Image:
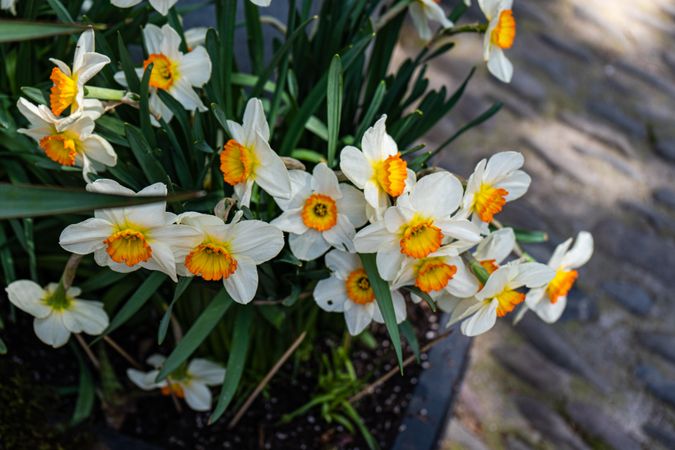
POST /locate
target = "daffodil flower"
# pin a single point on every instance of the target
(263, 3)
(320, 213)
(348, 291)
(419, 225)
(442, 274)
(68, 88)
(126, 239)
(247, 158)
(172, 71)
(58, 313)
(499, 296)
(230, 252)
(549, 301)
(500, 34)
(8, 5)
(378, 170)
(191, 383)
(195, 37)
(493, 183)
(425, 11)
(161, 6)
(490, 253)
(67, 141)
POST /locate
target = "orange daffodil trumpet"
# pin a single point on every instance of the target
(320, 213)
(190, 383)
(549, 301)
(68, 84)
(173, 71)
(161, 6)
(500, 34)
(247, 158)
(424, 11)
(57, 313)
(419, 225)
(377, 169)
(67, 141)
(499, 296)
(493, 183)
(348, 291)
(230, 252)
(126, 239)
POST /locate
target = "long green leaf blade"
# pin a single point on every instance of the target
(206, 321)
(384, 301)
(182, 285)
(334, 104)
(136, 302)
(235, 363)
(14, 30)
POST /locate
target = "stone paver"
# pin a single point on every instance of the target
(592, 107)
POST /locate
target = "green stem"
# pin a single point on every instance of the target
(468, 28)
(103, 93)
(478, 270)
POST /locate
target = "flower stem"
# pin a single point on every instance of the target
(88, 351)
(104, 93)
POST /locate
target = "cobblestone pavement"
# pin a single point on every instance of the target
(592, 108)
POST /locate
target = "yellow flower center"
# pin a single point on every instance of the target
(211, 261)
(62, 147)
(319, 212)
(420, 237)
(173, 389)
(508, 300)
(63, 93)
(433, 274)
(58, 301)
(164, 71)
(391, 174)
(561, 284)
(489, 265)
(128, 246)
(504, 33)
(358, 287)
(489, 201)
(237, 163)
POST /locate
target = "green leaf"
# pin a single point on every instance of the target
(304, 154)
(423, 295)
(255, 36)
(334, 105)
(35, 94)
(20, 201)
(226, 11)
(85, 396)
(220, 116)
(374, 106)
(15, 30)
(144, 107)
(530, 237)
(408, 333)
(181, 286)
(127, 66)
(293, 297)
(3, 347)
(384, 301)
(60, 10)
(136, 302)
(199, 330)
(150, 164)
(475, 122)
(236, 361)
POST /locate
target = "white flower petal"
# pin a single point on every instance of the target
(186, 95)
(197, 395)
(420, 21)
(483, 320)
(324, 181)
(355, 166)
(144, 380)
(532, 275)
(162, 6)
(495, 284)
(162, 259)
(358, 317)
(460, 229)
(91, 65)
(516, 184)
(580, 253)
(272, 175)
(443, 186)
(170, 46)
(85, 237)
(89, 315)
(290, 221)
(28, 297)
(257, 240)
(301, 188)
(342, 263)
(501, 165)
(309, 245)
(463, 284)
(330, 294)
(496, 246)
(372, 237)
(499, 65)
(51, 330)
(389, 261)
(353, 205)
(206, 372)
(341, 234)
(551, 312)
(243, 283)
(152, 36)
(100, 150)
(376, 144)
(196, 66)
(534, 296)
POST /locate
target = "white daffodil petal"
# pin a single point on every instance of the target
(497, 246)
(90, 316)
(196, 66)
(420, 20)
(358, 317)
(341, 234)
(330, 294)
(495, 284)
(186, 95)
(551, 312)
(355, 166)
(309, 245)
(51, 330)
(100, 150)
(426, 193)
(255, 122)
(271, 175)
(197, 395)
(483, 320)
(28, 296)
(162, 6)
(499, 65)
(342, 263)
(324, 181)
(353, 205)
(371, 238)
(534, 296)
(301, 188)
(243, 283)
(152, 36)
(205, 371)
(580, 253)
(85, 237)
(290, 221)
(502, 164)
(461, 229)
(257, 240)
(532, 275)
(516, 184)
(92, 64)
(389, 261)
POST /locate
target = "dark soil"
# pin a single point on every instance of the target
(36, 409)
